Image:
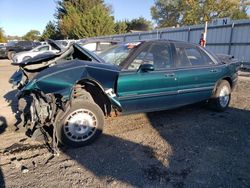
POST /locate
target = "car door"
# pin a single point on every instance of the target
(197, 74)
(40, 50)
(144, 91)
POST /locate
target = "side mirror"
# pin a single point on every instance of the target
(146, 67)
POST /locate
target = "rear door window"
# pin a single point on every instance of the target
(192, 56)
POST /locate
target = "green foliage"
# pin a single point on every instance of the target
(79, 5)
(140, 24)
(2, 37)
(50, 31)
(32, 35)
(121, 27)
(168, 13)
(84, 18)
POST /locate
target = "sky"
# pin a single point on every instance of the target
(17, 17)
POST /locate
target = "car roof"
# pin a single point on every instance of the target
(167, 40)
(98, 40)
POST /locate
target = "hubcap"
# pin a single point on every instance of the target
(80, 125)
(224, 96)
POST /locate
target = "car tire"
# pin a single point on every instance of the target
(81, 124)
(26, 58)
(221, 97)
(11, 54)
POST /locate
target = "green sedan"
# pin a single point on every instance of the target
(75, 91)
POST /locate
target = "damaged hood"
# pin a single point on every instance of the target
(60, 78)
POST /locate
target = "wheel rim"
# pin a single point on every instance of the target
(80, 125)
(224, 96)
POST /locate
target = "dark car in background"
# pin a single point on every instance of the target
(14, 47)
(3, 51)
(73, 91)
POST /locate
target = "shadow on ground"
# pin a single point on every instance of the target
(208, 149)
(3, 126)
(112, 158)
(11, 98)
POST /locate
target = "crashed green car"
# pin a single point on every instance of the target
(74, 91)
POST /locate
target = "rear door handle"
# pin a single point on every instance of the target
(169, 75)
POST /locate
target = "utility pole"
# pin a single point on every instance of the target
(205, 34)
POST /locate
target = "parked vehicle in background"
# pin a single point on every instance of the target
(97, 45)
(65, 43)
(21, 56)
(75, 94)
(18, 46)
(3, 51)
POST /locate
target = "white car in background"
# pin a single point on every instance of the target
(97, 45)
(21, 56)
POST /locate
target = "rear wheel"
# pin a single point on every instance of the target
(221, 98)
(81, 124)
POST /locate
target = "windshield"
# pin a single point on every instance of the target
(116, 54)
(11, 43)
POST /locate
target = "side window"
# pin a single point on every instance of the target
(183, 59)
(190, 56)
(158, 54)
(44, 48)
(206, 58)
(194, 56)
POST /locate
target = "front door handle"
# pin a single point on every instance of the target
(169, 75)
(213, 70)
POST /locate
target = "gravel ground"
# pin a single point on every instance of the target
(186, 147)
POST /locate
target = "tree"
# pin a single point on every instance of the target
(80, 5)
(140, 24)
(121, 27)
(2, 37)
(32, 35)
(166, 13)
(50, 31)
(84, 18)
(187, 12)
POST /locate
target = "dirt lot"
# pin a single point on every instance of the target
(187, 147)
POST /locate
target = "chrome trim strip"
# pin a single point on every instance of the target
(195, 89)
(138, 96)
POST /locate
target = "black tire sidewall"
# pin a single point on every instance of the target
(93, 107)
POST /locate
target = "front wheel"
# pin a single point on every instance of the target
(11, 54)
(221, 97)
(81, 124)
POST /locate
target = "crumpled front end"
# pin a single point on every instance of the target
(48, 96)
(36, 110)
